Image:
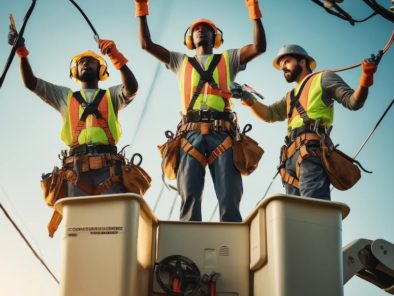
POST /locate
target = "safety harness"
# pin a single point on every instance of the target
(91, 109)
(300, 138)
(207, 121)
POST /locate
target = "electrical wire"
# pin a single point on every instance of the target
(15, 46)
(96, 35)
(28, 243)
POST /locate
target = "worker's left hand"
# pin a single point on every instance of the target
(375, 59)
(108, 47)
(254, 9)
(369, 67)
(13, 36)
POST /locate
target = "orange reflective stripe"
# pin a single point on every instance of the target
(303, 99)
(187, 85)
(222, 68)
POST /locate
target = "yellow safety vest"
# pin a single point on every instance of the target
(311, 100)
(94, 131)
(209, 98)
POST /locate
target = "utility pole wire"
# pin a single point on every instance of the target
(28, 243)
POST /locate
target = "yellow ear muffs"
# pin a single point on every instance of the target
(103, 72)
(218, 38)
(188, 41)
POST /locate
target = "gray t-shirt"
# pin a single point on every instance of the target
(176, 60)
(56, 96)
(333, 89)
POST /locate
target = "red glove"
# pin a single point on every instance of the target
(141, 7)
(254, 9)
(22, 52)
(108, 47)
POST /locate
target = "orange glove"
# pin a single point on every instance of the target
(108, 47)
(369, 67)
(254, 9)
(22, 52)
(141, 7)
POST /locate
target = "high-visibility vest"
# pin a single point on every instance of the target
(208, 96)
(311, 100)
(92, 131)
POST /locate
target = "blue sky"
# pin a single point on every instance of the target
(56, 31)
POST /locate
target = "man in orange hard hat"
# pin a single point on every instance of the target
(91, 128)
(207, 117)
(309, 110)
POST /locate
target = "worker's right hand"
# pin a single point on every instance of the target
(141, 7)
(21, 51)
(247, 99)
(254, 9)
(369, 67)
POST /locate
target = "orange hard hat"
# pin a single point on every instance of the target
(103, 73)
(203, 21)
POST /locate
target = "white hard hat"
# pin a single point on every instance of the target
(293, 49)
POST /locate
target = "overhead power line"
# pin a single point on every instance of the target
(28, 243)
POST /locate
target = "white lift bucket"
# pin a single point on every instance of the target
(288, 246)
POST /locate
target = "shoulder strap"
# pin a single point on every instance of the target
(205, 76)
(92, 107)
(294, 101)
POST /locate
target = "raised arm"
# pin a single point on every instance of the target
(130, 84)
(158, 51)
(29, 80)
(250, 51)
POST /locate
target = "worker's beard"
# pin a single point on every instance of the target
(88, 76)
(293, 73)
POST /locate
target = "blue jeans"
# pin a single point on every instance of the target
(226, 179)
(313, 179)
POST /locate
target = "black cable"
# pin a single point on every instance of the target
(380, 9)
(15, 46)
(28, 243)
(96, 35)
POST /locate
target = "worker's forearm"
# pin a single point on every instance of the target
(129, 81)
(260, 110)
(28, 77)
(359, 96)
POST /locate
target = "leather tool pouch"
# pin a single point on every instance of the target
(170, 155)
(134, 178)
(54, 185)
(340, 168)
(246, 152)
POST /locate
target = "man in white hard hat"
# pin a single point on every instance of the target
(309, 111)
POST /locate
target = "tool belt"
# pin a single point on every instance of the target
(54, 185)
(92, 149)
(207, 116)
(299, 143)
(342, 171)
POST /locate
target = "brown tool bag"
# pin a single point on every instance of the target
(169, 152)
(134, 178)
(342, 170)
(54, 185)
(246, 152)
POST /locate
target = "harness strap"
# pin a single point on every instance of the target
(189, 149)
(216, 125)
(299, 144)
(206, 76)
(90, 109)
(289, 179)
(295, 102)
(219, 150)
